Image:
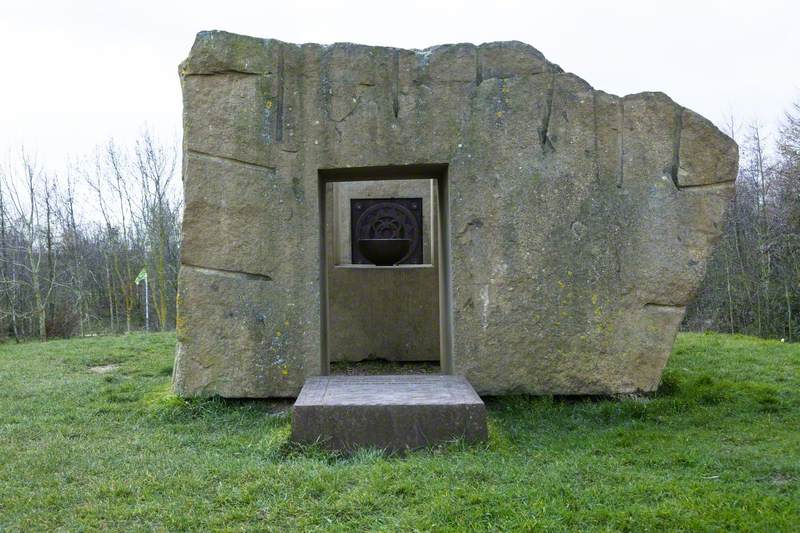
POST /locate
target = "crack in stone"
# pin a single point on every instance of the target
(396, 83)
(478, 67)
(702, 186)
(677, 145)
(621, 140)
(544, 136)
(474, 223)
(350, 112)
(596, 141)
(280, 103)
(666, 307)
(229, 273)
(223, 72)
(230, 160)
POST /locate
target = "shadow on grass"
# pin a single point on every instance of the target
(292, 451)
(682, 401)
(168, 407)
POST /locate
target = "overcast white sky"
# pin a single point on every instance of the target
(78, 72)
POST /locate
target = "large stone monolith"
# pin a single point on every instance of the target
(580, 222)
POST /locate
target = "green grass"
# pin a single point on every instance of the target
(718, 448)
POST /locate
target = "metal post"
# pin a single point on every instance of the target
(146, 307)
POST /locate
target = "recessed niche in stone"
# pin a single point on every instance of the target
(391, 220)
(382, 313)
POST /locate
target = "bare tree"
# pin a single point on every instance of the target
(156, 168)
(62, 275)
(26, 205)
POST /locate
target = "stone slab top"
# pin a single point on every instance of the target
(387, 390)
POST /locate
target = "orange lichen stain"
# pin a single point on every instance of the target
(180, 320)
(180, 323)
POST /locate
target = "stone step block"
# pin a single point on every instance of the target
(394, 413)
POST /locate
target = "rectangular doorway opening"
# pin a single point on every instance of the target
(385, 271)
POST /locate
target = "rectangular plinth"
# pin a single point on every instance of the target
(387, 412)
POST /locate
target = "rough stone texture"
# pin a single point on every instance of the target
(387, 412)
(240, 335)
(580, 222)
(389, 313)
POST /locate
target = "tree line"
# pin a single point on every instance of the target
(752, 282)
(72, 246)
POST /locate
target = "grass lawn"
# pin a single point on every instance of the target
(718, 448)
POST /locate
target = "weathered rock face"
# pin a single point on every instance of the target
(580, 222)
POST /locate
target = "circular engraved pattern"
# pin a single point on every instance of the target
(389, 220)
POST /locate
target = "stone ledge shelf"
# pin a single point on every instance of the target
(394, 413)
(390, 267)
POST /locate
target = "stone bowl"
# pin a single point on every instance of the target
(384, 252)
